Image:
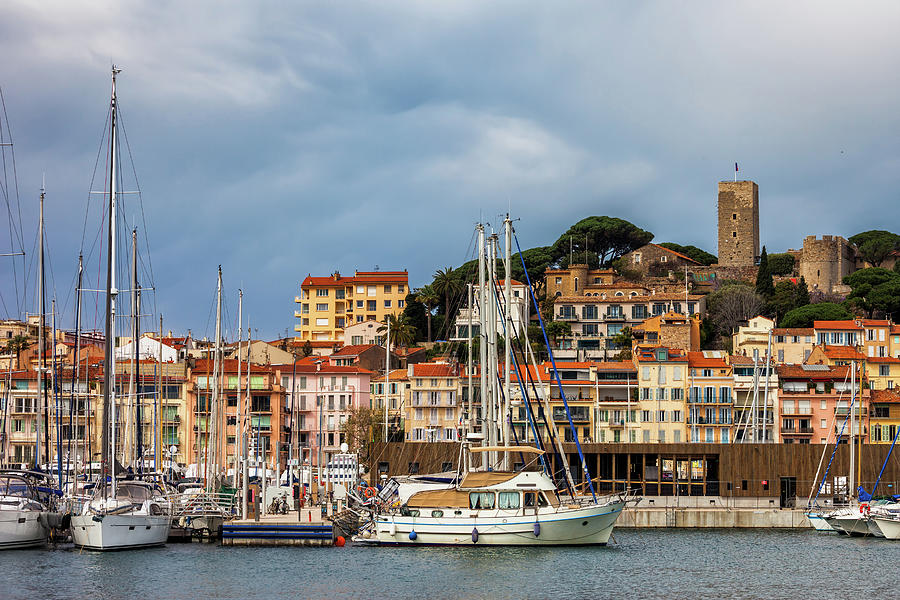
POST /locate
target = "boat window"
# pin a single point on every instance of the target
(13, 486)
(481, 500)
(529, 499)
(542, 500)
(437, 514)
(508, 500)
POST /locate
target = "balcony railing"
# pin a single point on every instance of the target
(567, 317)
(614, 317)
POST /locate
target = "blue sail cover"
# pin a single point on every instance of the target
(863, 495)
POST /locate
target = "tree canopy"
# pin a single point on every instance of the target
(599, 239)
(701, 256)
(764, 286)
(823, 311)
(781, 263)
(875, 289)
(876, 245)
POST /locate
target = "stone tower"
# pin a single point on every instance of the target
(738, 223)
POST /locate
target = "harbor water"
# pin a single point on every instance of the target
(644, 563)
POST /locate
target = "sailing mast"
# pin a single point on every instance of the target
(157, 430)
(42, 413)
(482, 347)
(76, 371)
(212, 445)
(851, 488)
(136, 358)
(239, 421)
(109, 357)
(507, 308)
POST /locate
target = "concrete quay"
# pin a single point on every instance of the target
(709, 512)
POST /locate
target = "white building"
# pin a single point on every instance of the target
(148, 348)
(517, 307)
(362, 333)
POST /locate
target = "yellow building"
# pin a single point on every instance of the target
(885, 416)
(662, 376)
(326, 305)
(432, 407)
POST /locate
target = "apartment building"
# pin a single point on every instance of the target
(756, 385)
(815, 402)
(515, 309)
(885, 417)
(595, 320)
(433, 411)
(398, 394)
(322, 396)
(788, 345)
(662, 381)
(710, 399)
(326, 305)
(265, 415)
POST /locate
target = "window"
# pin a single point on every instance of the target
(481, 500)
(663, 258)
(321, 293)
(677, 394)
(371, 305)
(387, 304)
(661, 416)
(676, 373)
(645, 373)
(322, 322)
(559, 281)
(884, 370)
(401, 303)
(387, 289)
(734, 216)
(304, 308)
(734, 234)
(359, 304)
(321, 307)
(356, 340)
(508, 500)
(646, 416)
(371, 290)
(636, 258)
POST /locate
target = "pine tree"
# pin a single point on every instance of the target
(802, 293)
(764, 285)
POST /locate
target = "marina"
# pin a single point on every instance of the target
(647, 563)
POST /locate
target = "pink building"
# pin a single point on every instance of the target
(323, 396)
(815, 400)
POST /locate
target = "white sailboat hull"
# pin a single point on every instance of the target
(890, 528)
(120, 532)
(22, 529)
(850, 524)
(818, 522)
(590, 525)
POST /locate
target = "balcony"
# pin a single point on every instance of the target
(797, 431)
(616, 317)
(297, 299)
(567, 317)
(616, 423)
(842, 411)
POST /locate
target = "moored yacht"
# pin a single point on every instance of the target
(491, 508)
(24, 521)
(129, 514)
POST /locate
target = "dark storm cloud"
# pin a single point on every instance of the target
(281, 139)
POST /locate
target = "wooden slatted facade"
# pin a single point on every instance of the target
(782, 471)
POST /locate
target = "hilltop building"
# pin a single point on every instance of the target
(326, 305)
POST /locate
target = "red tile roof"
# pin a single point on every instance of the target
(354, 350)
(434, 370)
(697, 359)
(362, 277)
(826, 373)
(396, 375)
(885, 396)
(842, 353)
(875, 323)
(678, 254)
(836, 325)
(621, 365)
(883, 359)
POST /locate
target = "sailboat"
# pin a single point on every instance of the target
(488, 507)
(121, 514)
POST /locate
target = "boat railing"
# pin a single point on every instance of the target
(203, 503)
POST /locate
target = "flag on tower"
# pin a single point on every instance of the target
(735, 168)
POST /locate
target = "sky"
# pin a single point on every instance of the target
(280, 139)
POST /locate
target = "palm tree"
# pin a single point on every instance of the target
(17, 344)
(402, 331)
(446, 284)
(430, 298)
